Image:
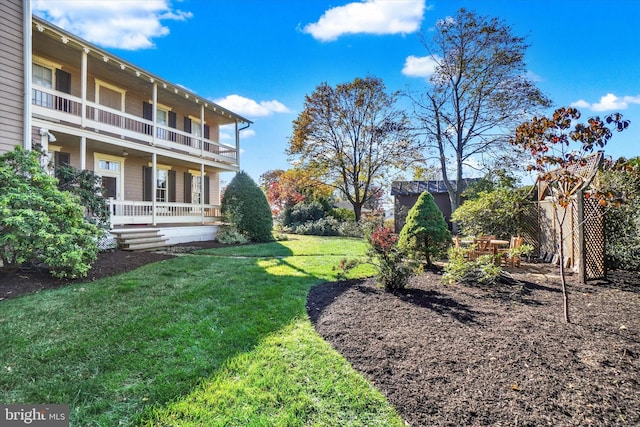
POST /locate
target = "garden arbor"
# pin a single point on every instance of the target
(583, 227)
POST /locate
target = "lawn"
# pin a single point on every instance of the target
(218, 337)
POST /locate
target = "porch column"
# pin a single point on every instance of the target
(202, 132)
(154, 187)
(202, 192)
(83, 152)
(154, 114)
(83, 87)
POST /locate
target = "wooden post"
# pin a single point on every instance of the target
(580, 255)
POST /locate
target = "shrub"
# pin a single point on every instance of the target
(321, 227)
(390, 262)
(498, 212)
(622, 223)
(483, 270)
(229, 235)
(350, 229)
(425, 231)
(301, 213)
(40, 224)
(88, 187)
(343, 214)
(245, 206)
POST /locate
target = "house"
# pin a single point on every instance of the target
(405, 195)
(155, 144)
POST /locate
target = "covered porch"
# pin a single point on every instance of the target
(135, 212)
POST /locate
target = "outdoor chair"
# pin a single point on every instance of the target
(514, 260)
(482, 246)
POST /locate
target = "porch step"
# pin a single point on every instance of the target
(140, 240)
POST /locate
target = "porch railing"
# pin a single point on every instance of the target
(65, 107)
(131, 212)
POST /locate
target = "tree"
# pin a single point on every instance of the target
(286, 188)
(40, 224)
(351, 135)
(88, 187)
(245, 206)
(425, 230)
(478, 93)
(556, 161)
(497, 212)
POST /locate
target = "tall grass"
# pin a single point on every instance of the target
(219, 337)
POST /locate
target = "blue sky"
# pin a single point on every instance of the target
(260, 58)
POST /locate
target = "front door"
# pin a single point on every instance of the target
(109, 187)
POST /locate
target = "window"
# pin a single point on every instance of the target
(195, 126)
(110, 95)
(109, 165)
(162, 119)
(162, 181)
(196, 189)
(42, 76)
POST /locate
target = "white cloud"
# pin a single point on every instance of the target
(609, 102)
(420, 66)
(247, 133)
(581, 103)
(369, 16)
(248, 107)
(227, 134)
(130, 25)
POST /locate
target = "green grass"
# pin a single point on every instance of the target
(220, 337)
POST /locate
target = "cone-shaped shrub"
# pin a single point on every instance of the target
(425, 231)
(245, 206)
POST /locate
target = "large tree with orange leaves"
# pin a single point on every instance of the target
(286, 188)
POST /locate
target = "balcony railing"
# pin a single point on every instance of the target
(67, 108)
(130, 212)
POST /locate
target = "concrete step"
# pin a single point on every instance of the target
(140, 240)
(151, 246)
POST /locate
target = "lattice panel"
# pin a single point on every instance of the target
(530, 227)
(594, 256)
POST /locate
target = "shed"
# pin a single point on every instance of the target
(405, 195)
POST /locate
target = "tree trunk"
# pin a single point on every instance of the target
(357, 210)
(563, 280)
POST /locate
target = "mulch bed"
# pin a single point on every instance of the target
(466, 356)
(463, 355)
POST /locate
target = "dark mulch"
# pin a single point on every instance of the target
(462, 355)
(467, 356)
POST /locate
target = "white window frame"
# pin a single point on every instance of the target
(165, 169)
(162, 133)
(197, 186)
(45, 63)
(200, 127)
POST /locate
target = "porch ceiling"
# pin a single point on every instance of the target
(70, 53)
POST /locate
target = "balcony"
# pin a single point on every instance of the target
(71, 110)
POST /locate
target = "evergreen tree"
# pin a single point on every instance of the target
(425, 231)
(245, 206)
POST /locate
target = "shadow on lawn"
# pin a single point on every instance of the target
(168, 326)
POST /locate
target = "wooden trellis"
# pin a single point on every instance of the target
(583, 225)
